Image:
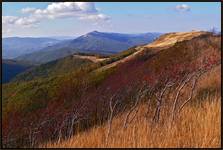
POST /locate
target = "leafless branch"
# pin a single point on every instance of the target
(191, 93)
(182, 84)
(159, 98)
(111, 108)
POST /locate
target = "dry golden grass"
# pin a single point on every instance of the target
(171, 38)
(211, 79)
(196, 126)
(166, 40)
(92, 58)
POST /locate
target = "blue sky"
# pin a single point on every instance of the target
(74, 19)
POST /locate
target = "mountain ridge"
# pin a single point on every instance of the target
(11, 68)
(13, 47)
(93, 42)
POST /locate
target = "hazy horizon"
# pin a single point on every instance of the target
(76, 36)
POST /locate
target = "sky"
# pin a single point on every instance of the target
(44, 19)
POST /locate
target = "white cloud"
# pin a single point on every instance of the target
(79, 10)
(97, 17)
(27, 21)
(28, 10)
(20, 21)
(182, 7)
(86, 7)
(9, 19)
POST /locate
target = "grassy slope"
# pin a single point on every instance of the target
(198, 125)
(60, 93)
(26, 100)
(45, 78)
(163, 138)
(57, 67)
(47, 74)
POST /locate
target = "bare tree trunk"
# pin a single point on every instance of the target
(30, 137)
(179, 89)
(129, 113)
(71, 127)
(112, 108)
(191, 94)
(159, 99)
(59, 135)
(60, 131)
(142, 92)
(148, 105)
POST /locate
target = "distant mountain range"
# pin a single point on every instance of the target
(18, 51)
(10, 68)
(62, 37)
(93, 42)
(53, 68)
(17, 46)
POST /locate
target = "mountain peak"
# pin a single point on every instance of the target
(91, 33)
(94, 32)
